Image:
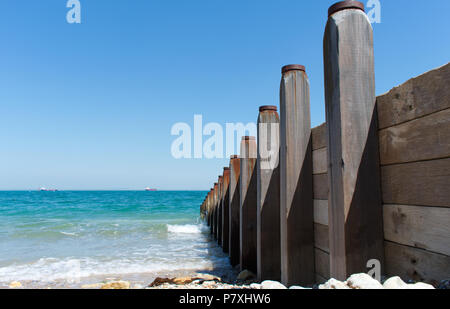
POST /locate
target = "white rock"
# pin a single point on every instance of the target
(395, 283)
(296, 287)
(272, 285)
(363, 281)
(245, 275)
(420, 286)
(255, 286)
(333, 284)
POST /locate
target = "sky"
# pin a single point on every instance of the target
(90, 106)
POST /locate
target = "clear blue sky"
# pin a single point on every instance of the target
(91, 106)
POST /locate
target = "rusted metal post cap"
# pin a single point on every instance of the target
(226, 169)
(268, 108)
(248, 138)
(293, 67)
(345, 5)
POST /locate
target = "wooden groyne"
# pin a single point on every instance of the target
(370, 184)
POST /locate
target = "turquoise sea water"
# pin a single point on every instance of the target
(51, 236)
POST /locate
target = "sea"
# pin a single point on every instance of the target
(68, 239)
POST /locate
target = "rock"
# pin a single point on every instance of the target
(92, 286)
(183, 280)
(296, 287)
(15, 285)
(116, 285)
(246, 275)
(208, 277)
(363, 282)
(444, 285)
(255, 286)
(160, 281)
(395, 283)
(272, 285)
(420, 286)
(333, 284)
(209, 284)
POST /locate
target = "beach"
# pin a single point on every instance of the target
(70, 239)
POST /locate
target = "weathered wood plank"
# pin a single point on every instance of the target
(321, 237)
(420, 96)
(416, 226)
(421, 139)
(320, 186)
(320, 279)
(320, 163)
(321, 212)
(319, 136)
(416, 264)
(420, 183)
(248, 196)
(235, 171)
(268, 196)
(356, 230)
(322, 263)
(296, 200)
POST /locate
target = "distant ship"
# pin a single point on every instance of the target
(48, 190)
(150, 189)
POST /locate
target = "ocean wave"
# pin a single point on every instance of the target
(71, 269)
(185, 229)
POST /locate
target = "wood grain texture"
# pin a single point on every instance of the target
(248, 211)
(268, 197)
(296, 200)
(321, 212)
(319, 136)
(421, 139)
(426, 228)
(322, 264)
(234, 200)
(320, 186)
(320, 161)
(416, 264)
(420, 183)
(355, 220)
(420, 96)
(321, 237)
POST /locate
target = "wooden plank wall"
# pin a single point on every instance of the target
(320, 189)
(414, 124)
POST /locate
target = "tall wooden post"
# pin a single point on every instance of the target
(248, 204)
(355, 212)
(225, 209)
(234, 201)
(268, 195)
(296, 196)
(219, 211)
(214, 212)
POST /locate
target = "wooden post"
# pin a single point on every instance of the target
(234, 200)
(214, 212)
(268, 195)
(219, 211)
(296, 190)
(248, 204)
(225, 209)
(355, 212)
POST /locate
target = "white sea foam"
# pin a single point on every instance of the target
(72, 270)
(185, 229)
